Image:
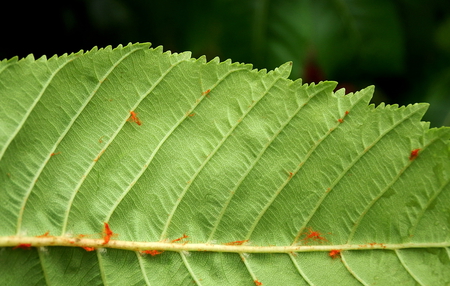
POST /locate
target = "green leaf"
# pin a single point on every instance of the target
(264, 175)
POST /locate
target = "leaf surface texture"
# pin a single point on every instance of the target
(225, 155)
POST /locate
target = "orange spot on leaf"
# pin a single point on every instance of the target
(53, 154)
(89, 248)
(237, 242)
(414, 154)
(23, 246)
(45, 234)
(206, 92)
(373, 244)
(313, 235)
(334, 253)
(99, 155)
(134, 118)
(152, 252)
(180, 238)
(107, 233)
(257, 283)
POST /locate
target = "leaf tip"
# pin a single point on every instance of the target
(285, 69)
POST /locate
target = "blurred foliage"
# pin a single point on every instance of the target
(400, 46)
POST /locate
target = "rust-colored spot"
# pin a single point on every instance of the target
(133, 118)
(313, 235)
(206, 92)
(47, 234)
(23, 246)
(99, 155)
(107, 233)
(237, 242)
(334, 253)
(414, 154)
(180, 238)
(152, 252)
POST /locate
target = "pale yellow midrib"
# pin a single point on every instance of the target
(46, 241)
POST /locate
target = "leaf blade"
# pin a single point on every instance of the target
(225, 155)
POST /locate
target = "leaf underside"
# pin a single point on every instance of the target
(222, 153)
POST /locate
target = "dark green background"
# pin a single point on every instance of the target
(401, 46)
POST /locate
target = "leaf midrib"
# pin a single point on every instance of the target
(50, 241)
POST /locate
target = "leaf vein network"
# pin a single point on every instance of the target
(39, 171)
(111, 139)
(31, 108)
(158, 147)
(431, 199)
(278, 191)
(251, 166)
(219, 145)
(394, 179)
